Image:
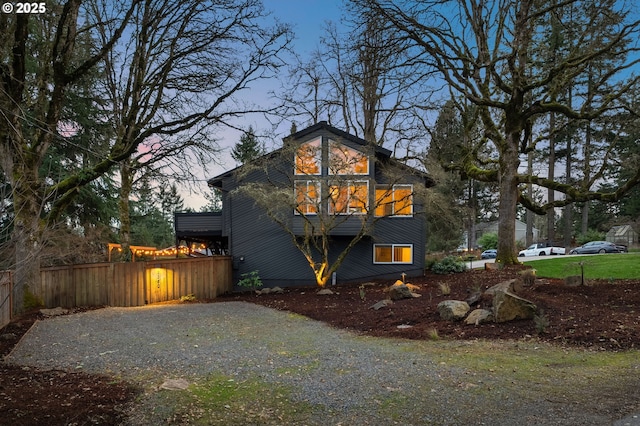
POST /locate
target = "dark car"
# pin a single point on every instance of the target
(622, 248)
(594, 247)
(489, 254)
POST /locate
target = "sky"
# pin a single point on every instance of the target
(307, 18)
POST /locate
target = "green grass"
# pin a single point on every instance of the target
(601, 266)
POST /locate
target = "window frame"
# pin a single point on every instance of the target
(315, 203)
(349, 184)
(317, 156)
(393, 247)
(351, 172)
(391, 192)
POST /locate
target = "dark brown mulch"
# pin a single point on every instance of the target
(33, 397)
(603, 316)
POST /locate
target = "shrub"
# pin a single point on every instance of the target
(488, 241)
(541, 321)
(448, 265)
(445, 289)
(590, 235)
(250, 280)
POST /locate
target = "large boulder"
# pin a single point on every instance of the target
(508, 307)
(453, 310)
(512, 286)
(400, 290)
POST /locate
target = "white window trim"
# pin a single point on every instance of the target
(318, 194)
(329, 172)
(393, 205)
(349, 183)
(318, 158)
(393, 246)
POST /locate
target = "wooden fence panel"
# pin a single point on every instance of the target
(6, 302)
(135, 283)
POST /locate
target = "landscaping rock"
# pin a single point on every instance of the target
(474, 298)
(175, 384)
(401, 291)
(508, 307)
(325, 292)
(453, 310)
(381, 304)
(54, 312)
(512, 286)
(479, 316)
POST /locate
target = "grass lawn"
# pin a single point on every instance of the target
(602, 266)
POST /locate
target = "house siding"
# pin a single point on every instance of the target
(257, 243)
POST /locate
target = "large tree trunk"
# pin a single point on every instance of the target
(126, 185)
(551, 194)
(508, 185)
(27, 235)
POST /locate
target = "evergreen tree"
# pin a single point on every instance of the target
(248, 148)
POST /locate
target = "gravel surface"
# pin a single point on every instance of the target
(347, 377)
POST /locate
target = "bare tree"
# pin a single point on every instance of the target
(182, 65)
(361, 79)
(177, 75)
(482, 50)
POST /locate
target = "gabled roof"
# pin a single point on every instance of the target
(322, 125)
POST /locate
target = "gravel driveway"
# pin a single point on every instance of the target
(347, 377)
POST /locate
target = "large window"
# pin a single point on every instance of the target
(309, 158)
(395, 200)
(393, 253)
(349, 198)
(347, 161)
(307, 196)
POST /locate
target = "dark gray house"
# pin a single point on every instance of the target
(323, 182)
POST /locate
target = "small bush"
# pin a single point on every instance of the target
(31, 300)
(445, 289)
(432, 334)
(250, 280)
(541, 321)
(188, 298)
(448, 265)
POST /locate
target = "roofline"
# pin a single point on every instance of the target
(323, 125)
(216, 181)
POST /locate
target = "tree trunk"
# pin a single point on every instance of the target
(508, 185)
(529, 235)
(27, 235)
(551, 195)
(126, 179)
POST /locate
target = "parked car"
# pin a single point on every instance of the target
(541, 249)
(594, 247)
(622, 248)
(489, 254)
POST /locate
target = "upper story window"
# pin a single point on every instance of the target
(309, 158)
(307, 196)
(395, 200)
(347, 161)
(349, 198)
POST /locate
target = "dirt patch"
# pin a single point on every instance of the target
(603, 316)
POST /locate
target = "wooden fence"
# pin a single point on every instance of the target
(131, 284)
